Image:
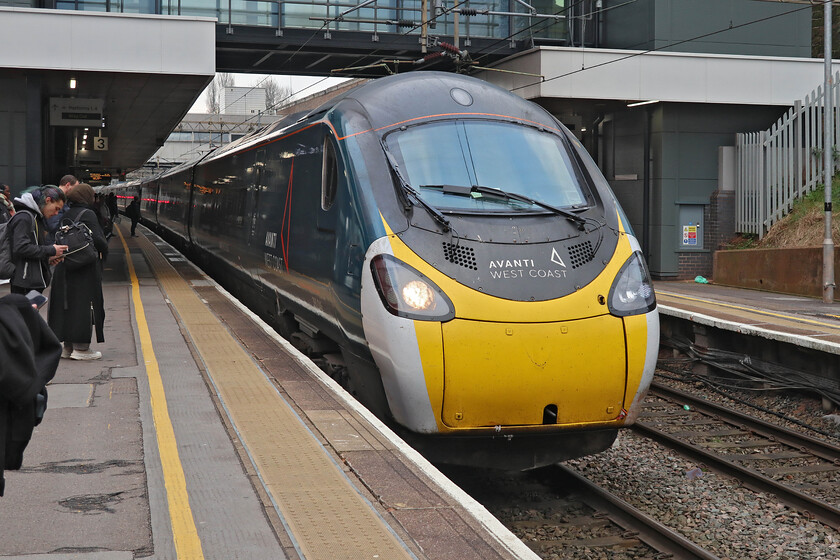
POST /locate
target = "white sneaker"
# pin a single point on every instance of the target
(85, 355)
(66, 352)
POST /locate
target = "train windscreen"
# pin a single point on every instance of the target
(463, 154)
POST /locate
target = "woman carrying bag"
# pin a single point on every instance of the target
(76, 301)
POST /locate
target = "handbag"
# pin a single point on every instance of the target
(79, 240)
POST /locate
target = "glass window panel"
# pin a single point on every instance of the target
(510, 157)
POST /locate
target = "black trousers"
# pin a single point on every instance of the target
(133, 226)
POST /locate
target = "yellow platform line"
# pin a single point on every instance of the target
(750, 310)
(185, 535)
(327, 516)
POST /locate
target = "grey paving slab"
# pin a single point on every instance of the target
(70, 395)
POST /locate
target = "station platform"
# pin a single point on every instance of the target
(781, 339)
(797, 320)
(203, 434)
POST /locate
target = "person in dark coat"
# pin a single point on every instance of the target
(76, 300)
(29, 352)
(132, 211)
(66, 184)
(111, 202)
(6, 208)
(27, 230)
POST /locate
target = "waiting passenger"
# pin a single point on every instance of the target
(132, 211)
(111, 203)
(29, 354)
(6, 208)
(28, 233)
(66, 184)
(76, 300)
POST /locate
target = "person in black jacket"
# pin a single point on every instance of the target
(27, 231)
(76, 299)
(29, 354)
(132, 211)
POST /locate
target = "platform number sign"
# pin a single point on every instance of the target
(100, 144)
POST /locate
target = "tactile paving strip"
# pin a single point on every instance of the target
(327, 516)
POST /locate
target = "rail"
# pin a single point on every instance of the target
(733, 464)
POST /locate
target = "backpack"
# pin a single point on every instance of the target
(7, 265)
(79, 240)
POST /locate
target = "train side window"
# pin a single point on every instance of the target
(329, 175)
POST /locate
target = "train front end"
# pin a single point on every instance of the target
(510, 314)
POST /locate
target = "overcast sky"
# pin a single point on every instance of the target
(301, 86)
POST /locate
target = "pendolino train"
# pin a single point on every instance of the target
(448, 250)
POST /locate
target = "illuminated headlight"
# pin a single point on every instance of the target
(408, 293)
(632, 290)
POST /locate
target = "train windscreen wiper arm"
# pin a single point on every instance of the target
(409, 190)
(468, 191)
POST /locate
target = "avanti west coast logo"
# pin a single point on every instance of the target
(512, 269)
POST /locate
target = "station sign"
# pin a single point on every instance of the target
(74, 111)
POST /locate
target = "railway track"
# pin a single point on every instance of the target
(802, 471)
(560, 514)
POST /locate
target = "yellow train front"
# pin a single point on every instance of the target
(507, 306)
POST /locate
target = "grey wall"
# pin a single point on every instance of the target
(13, 137)
(683, 165)
(649, 24)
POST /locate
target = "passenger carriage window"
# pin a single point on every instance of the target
(329, 175)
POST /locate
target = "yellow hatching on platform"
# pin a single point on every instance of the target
(326, 514)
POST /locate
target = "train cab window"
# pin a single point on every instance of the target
(329, 175)
(509, 157)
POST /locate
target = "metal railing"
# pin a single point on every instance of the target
(777, 166)
(493, 19)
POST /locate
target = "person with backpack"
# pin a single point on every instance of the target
(66, 185)
(76, 300)
(27, 232)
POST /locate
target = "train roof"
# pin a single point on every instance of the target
(400, 98)
(403, 97)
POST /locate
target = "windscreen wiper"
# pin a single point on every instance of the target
(478, 189)
(412, 193)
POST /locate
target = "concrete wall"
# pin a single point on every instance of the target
(790, 271)
(20, 131)
(648, 24)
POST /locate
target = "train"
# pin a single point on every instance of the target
(446, 250)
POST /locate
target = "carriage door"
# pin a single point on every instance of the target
(253, 209)
(326, 213)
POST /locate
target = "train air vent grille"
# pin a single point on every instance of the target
(462, 256)
(581, 254)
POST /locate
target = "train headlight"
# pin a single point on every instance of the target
(406, 292)
(632, 290)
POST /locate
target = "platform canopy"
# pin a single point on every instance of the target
(124, 80)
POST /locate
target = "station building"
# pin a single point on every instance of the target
(655, 89)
